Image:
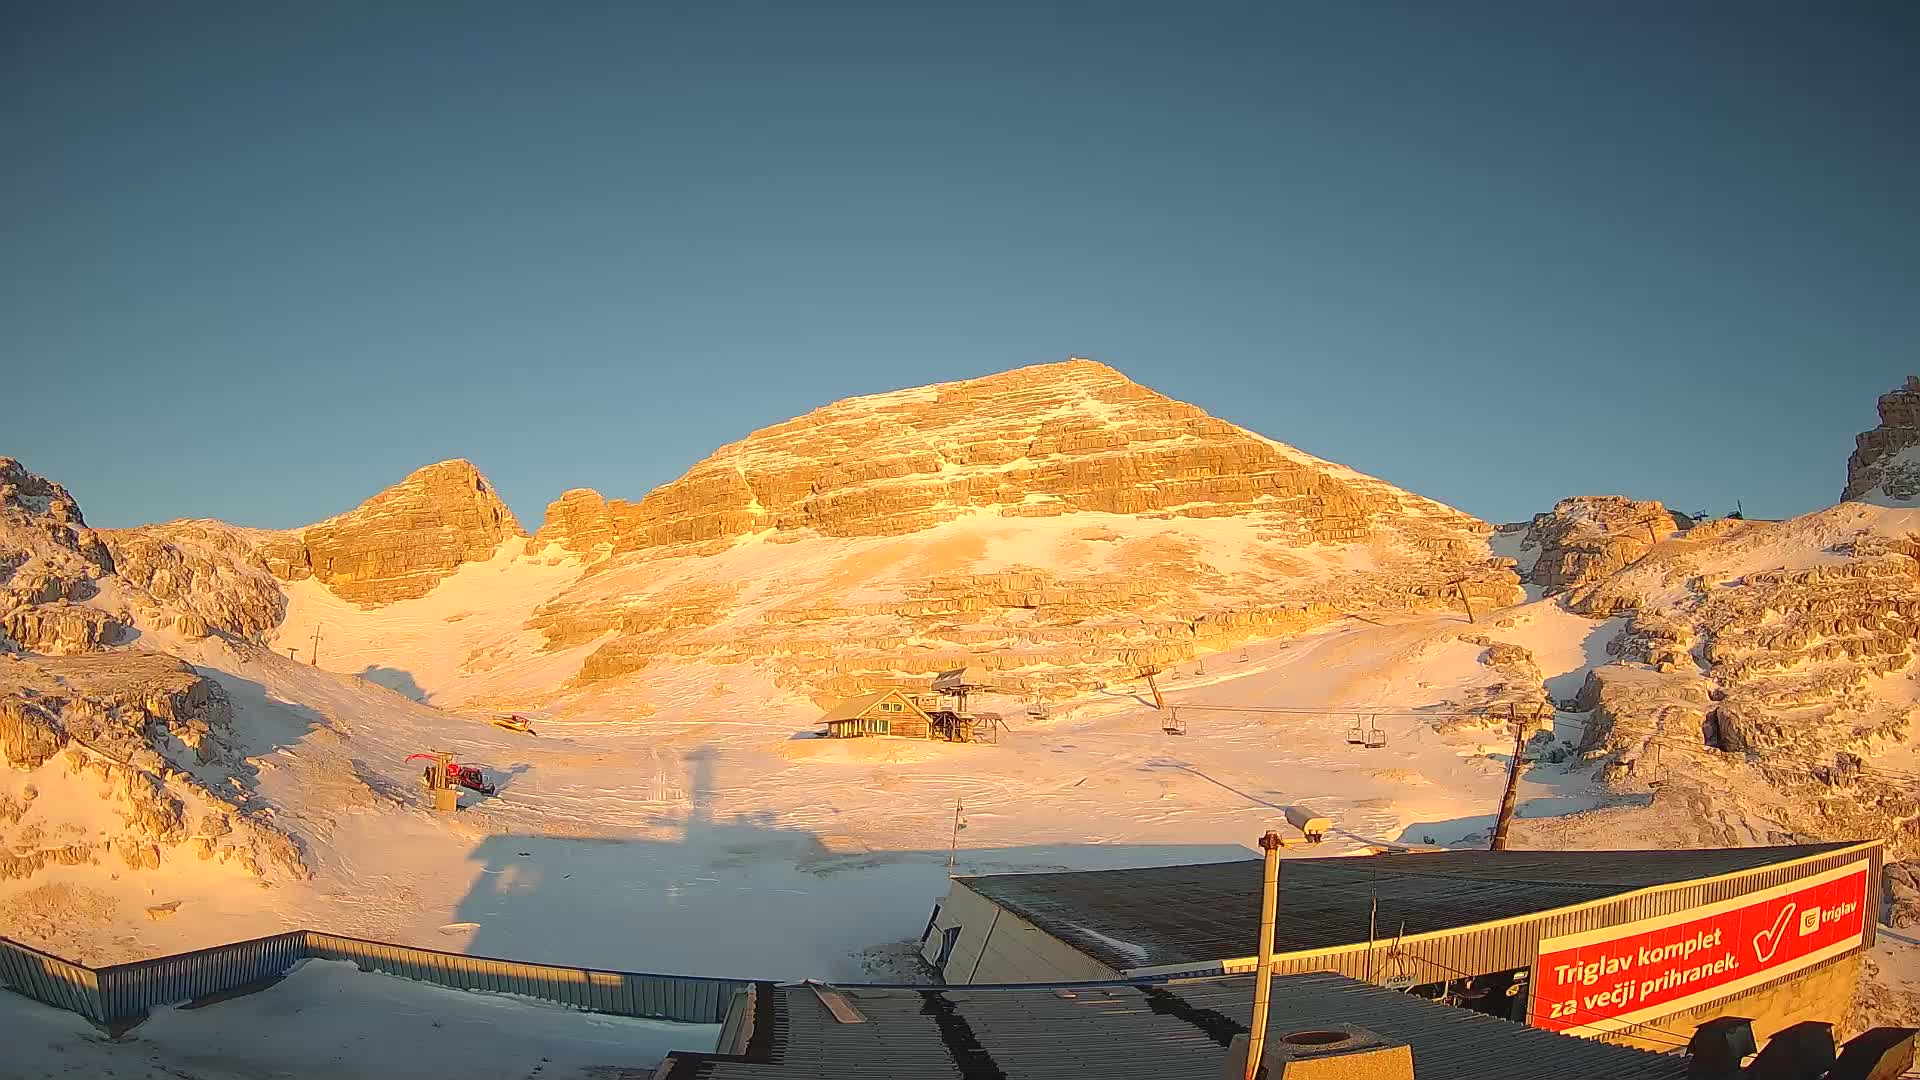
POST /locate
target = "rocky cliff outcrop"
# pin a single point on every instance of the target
(1589, 537)
(1148, 531)
(400, 543)
(203, 575)
(135, 724)
(1884, 466)
(51, 567)
(1785, 669)
(1038, 441)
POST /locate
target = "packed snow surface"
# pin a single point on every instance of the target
(715, 835)
(331, 1020)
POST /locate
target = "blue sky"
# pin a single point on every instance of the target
(259, 261)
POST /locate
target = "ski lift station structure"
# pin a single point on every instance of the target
(1465, 925)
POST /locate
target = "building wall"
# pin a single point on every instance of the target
(1823, 993)
(1515, 943)
(996, 946)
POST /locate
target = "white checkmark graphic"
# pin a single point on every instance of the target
(1771, 938)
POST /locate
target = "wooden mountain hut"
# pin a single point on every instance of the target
(887, 712)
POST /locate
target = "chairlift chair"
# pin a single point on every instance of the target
(1171, 723)
(1366, 731)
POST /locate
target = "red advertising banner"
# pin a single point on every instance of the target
(1612, 978)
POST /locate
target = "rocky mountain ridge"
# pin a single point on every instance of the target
(1061, 517)
(1153, 532)
(1883, 465)
(1038, 441)
(400, 543)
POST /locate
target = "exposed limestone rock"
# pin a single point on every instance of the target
(1785, 674)
(35, 504)
(400, 543)
(1520, 693)
(50, 565)
(1902, 883)
(1044, 440)
(29, 735)
(943, 463)
(1881, 468)
(20, 867)
(208, 573)
(135, 721)
(59, 629)
(1643, 716)
(1589, 537)
(578, 520)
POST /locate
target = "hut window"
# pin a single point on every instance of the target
(947, 939)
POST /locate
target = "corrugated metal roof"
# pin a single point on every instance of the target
(1126, 1030)
(1154, 916)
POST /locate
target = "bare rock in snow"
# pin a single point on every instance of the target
(134, 724)
(579, 520)
(1181, 534)
(210, 575)
(400, 543)
(1902, 883)
(1884, 466)
(50, 566)
(62, 628)
(1037, 441)
(1589, 537)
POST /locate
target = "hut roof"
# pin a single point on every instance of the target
(971, 677)
(854, 707)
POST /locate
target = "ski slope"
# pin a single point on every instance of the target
(704, 833)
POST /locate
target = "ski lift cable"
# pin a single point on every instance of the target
(1658, 736)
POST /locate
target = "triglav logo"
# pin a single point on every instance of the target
(1809, 921)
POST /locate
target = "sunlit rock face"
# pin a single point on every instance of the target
(1884, 466)
(400, 543)
(1035, 442)
(1588, 537)
(51, 566)
(1058, 524)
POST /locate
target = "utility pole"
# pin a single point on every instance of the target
(1460, 586)
(315, 660)
(1513, 785)
(953, 848)
(1263, 971)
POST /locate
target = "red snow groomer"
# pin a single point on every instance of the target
(471, 777)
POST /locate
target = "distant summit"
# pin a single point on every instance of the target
(1038, 441)
(1885, 465)
(400, 543)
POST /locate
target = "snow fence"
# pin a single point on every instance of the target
(124, 991)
